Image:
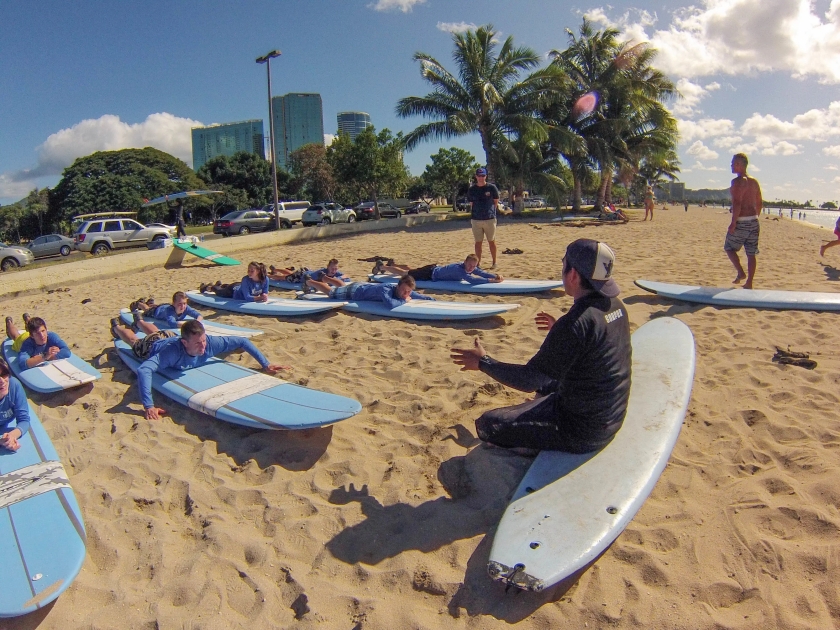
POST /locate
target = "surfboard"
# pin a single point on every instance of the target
(570, 507)
(745, 298)
(240, 395)
(203, 252)
(42, 534)
(293, 286)
(52, 376)
(505, 287)
(277, 307)
(212, 328)
(426, 310)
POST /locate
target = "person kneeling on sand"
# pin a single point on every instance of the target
(173, 313)
(164, 349)
(393, 295)
(252, 288)
(467, 271)
(581, 373)
(41, 345)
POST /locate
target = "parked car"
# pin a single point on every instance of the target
(326, 213)
(12, 256)
(416, 207)
(366, 210)
(290, 212)
(244, 222)
(172, 229)
(462, 204)
(100, 235)
(535, 202)
(51, 245)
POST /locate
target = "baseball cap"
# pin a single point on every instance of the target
(594, 261)
(481, 171)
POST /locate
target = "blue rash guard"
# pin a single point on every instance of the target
(318, 276)
(14, 408)
(170, 354)
(457, 272)
(374, 292)
(29, 349)
(248, 289)
(167, 313)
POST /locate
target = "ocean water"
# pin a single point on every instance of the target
(824, 218)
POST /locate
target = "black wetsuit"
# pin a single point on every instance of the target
(583, 370)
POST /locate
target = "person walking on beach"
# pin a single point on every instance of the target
(649, 201)
(180, 226)
(744, 227)
(832, 243)
(581, 373)
(484, 202)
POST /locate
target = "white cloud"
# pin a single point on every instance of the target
(400, 5)
(329, 138)
(833, 151)
(700, 167)
(701, 151)
(691, 94)
(107, 133)
(831, 168)
(705, 128)
(739, 37)
(456, 27)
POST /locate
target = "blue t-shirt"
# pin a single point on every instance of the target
(457, 272)
(483, 199)
(167, 312)
(247, 290)
(29, 349)
(14, 410)
(170, 353)
(377, 292)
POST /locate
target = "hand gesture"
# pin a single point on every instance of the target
(498, 278)
(544, 321)
(155, 413)
(9, 440)
(263, 297)
(273, 368)
(51, 352)
(468, 358)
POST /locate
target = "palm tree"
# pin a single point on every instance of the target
(487, 95)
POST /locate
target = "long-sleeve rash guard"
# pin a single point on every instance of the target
(14, 410)
(29, 349)
(170, 354)
(376, 292)
(167, 313)
(457, 272)
(248, 289)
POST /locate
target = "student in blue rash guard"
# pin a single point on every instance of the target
(41, 346)
(467, 271)
(393, 295)
(14, 410)
(252, 288)
(163, 349)
(173, 313)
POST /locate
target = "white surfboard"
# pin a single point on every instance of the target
(745, 298)
(505, 287)
(570, 507)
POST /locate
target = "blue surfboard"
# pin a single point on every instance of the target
(42, 534)
(274, 307)
(427, 310)
(210, 327)
(505, 287)
(240, 395)
(52, 376)
(294, 286)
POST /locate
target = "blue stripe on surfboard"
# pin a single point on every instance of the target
(128, 319)
(505, 287)
(275, 307)
(284, 406)
(35, 379)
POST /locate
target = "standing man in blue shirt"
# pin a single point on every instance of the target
(484, 202)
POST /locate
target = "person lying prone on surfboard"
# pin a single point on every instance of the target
(14, 409)
(467, 270)
(252, 288)
(581, 372)
(163, 349)
(173, 313)
(41, 346)
(393, 295)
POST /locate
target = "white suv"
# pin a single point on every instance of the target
(100, 235)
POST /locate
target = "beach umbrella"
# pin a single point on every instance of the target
(181, 195)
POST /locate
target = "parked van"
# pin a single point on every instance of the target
(290, 212)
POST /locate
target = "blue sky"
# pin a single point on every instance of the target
(756, 75)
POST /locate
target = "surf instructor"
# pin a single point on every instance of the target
(581, 373)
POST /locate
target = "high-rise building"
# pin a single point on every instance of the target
(298, 120)
(353, 123)
(227, 139)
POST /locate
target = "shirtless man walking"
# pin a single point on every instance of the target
(743, 229)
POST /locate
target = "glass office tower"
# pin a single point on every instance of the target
(298, 120)
(227, 139)
(353, 123)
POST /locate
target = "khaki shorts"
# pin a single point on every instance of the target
(484, 228)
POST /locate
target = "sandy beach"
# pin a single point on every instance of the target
(384, 521)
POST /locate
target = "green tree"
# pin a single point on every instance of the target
(246, 172)
(485, 95)
(118, 180)
(450, 169)
(311, 173)
(829, 205)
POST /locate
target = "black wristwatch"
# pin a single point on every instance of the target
(485, 361)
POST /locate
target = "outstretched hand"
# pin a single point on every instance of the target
(498, 278)
(468, 358)
(544, 321)
(155, 413)
(273, 368)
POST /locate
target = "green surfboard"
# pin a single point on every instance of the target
(206, 254)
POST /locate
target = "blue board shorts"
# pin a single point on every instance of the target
(746, 236)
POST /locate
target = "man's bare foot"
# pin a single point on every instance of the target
(739, 278)
(822, 250)
(748, 285)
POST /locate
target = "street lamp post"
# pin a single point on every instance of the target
(266, 59)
